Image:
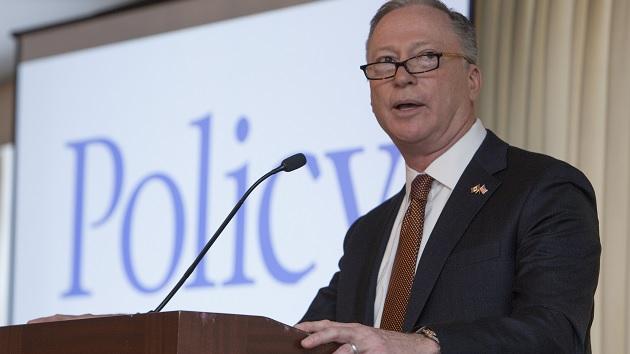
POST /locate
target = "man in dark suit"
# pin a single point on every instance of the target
(488, 248)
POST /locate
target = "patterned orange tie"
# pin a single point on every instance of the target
(404, 268)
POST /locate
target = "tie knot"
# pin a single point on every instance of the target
(420, 187)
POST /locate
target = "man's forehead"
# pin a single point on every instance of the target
(414, 26)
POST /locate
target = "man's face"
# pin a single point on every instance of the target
(422, 113)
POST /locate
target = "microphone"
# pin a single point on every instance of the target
(289, 164)
(293, 162)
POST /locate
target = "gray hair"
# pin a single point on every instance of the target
(462, 26)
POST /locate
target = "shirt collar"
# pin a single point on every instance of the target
(449, 167)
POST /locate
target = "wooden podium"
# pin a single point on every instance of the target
(179, 332)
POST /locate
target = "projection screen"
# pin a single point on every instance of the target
(131, 151)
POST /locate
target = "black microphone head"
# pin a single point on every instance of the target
(293, 162)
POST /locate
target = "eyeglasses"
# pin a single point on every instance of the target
(415, 65)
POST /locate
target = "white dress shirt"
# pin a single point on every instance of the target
(446, 171)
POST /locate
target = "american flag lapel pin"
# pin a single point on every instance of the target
(479, 189)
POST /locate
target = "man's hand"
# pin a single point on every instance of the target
(366, 340)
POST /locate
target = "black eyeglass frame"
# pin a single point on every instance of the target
(403, 63)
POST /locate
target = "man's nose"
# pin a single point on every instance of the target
(403, 77)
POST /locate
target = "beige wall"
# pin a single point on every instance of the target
(557, 80)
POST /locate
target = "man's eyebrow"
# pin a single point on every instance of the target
(387, 48)
(391, 48)
(421, 44)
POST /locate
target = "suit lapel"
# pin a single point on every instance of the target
(387, 224)
(460, 209)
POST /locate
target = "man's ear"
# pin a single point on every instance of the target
(474, 81)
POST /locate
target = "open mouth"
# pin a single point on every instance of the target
(408, 105)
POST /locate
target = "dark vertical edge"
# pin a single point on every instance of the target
(471, 11)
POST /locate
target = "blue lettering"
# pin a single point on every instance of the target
(280, 273)
(341, 160)
(80, 148)
(178, 209)
(200, 279)
(240, 176)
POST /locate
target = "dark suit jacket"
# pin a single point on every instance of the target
(513, 270)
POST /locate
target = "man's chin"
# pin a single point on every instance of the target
(410, 136)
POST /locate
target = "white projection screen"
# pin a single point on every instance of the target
(130, 153)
